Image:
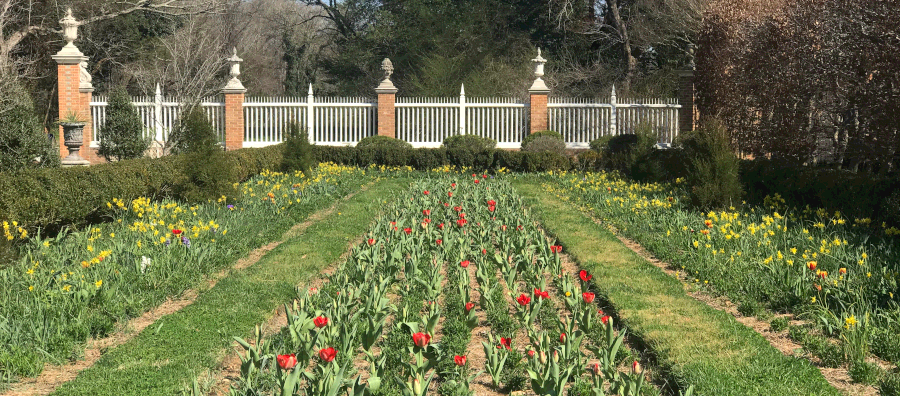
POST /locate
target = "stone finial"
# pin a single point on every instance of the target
(691, 49)
(386, 85)
(234, 85)
(539, 86)
(388, 68)
(69, 54)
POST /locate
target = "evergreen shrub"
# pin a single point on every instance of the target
(121, 136)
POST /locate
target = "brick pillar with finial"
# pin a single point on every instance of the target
(539, 94)
(74, 95)
(387, 96)
(234, 105)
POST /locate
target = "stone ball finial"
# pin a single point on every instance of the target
(388, 68)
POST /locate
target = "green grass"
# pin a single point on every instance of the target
(693, 343)
(169, 354)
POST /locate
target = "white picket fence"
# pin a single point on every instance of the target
(159, 114)
(424, 122)
(581, 120)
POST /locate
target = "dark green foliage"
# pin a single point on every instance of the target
(864, 372)
(470, 142)
(514, 376)
(122, 137)
(193, 133)
(629, 154)
(545, 144)
(713, 171)
(383, 141)
(427, 159)
(58, 197)
(885, 343)
(297, 151)
(553, 134)
(589, 160)
(889, 385)
(22, 137)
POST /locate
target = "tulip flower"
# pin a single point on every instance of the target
(562, 337)
(585, 276)
(588, 297)
(421, 339)
(425, 192)
(476, 181)
(465, 264)
(530, 353)
(492, 203)
(842, 271)
(439, 241)
(450, 194)
(541, 294)
(636, 367)
(176, 231)
(286, 362)
(483, 251)
(371, 241)
(461, 222)
(459, 360)
(453, 185)
(441, 226)
(555, 249)
(426, 212)
(320, 321)
(407, 230)
(327, 354)
(523, 299)
(491, 208)
(505, 342)
(469, 306)
(811, 265)
(605, 319)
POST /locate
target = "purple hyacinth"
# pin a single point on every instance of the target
(168, 242)
(230, 206)
(186, 241)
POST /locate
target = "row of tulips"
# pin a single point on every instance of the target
(79, 283)
(401, 305)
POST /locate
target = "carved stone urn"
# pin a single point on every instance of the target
(73, 139)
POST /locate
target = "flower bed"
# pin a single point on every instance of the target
(79, 284)
(841, 274)
(397, 316)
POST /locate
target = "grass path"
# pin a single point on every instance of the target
(694, 343)
(165, 357)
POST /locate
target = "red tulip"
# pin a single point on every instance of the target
(426, 212)
(457, 208)
(459, 360)
(476, 181)
(584, 276)
(483, 251)
(464, 264)
(519, 228)
(474, 175)
(426, 220)
(469, 306)
(562, 337)
(371, 241)
(588, 297)
(595, 368)
(505, 342)
(286, 362)
(484, 176)
(492, 203)
(491, 208)
(461, 222)
(320, 322)
(541, 294)
(530, 353)
(407, 230)
(635, 367)
(453, 185)
(462, 215)
(555, 249)
(441, 226)
(523, 299)
(421, 339)
(503, 227)
(450, 194)
(176, 231)
(439, 241)
(446, 204)
(327, 354)
(425, 192)
(605, 319)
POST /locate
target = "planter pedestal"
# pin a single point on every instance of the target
(73, 135)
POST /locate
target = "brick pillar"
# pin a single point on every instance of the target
(234, 106)
(74, 96)
(689, 115)
(234, 120)
(538, 111)
(386, 115)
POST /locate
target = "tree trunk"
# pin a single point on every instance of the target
(630, 60)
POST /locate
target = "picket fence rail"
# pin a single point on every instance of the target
(423, 122)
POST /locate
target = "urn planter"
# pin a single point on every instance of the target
(73, 138)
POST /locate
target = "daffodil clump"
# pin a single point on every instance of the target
(804, 261)
(81, 282)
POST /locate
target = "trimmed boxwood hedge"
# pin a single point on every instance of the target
(51, 198)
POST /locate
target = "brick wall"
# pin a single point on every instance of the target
(234, 121)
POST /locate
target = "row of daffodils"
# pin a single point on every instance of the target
(399, 315)
(839, 273)
(78, 284)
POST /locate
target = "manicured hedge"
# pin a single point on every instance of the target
(855, 195)
(51, 198)
(428, 158)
